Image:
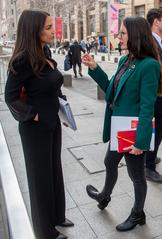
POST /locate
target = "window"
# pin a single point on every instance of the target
(13, 24)
(140, 11)
(11, 1)
(160, 4)
(12, 12)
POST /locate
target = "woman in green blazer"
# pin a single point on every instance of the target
(132, 91)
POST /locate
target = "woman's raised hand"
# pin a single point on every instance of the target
(89, 61)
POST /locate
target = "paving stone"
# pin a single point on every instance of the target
(81, 229)
(67, 157)
(153, 203)
(26, 198)
(124, 181)
(14, 140)
(77, 189)
(106, 220)
(67, 139)
(16, 151)
(23, 185)
(74, 172)
(159, 237)
(91, 156)
(154, 227)
(78, 152)
(85, 130)
(2, 233)
(79, 110)
(69, 200)
(137, 233)
(3, 106)
(0, 215)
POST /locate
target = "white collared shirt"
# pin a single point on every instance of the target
(158, 38)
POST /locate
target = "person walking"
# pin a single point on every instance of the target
(75, 57)
(32, 90)
(138, 76)
(88, 47)
(154, 17)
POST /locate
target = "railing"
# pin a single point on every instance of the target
(4, 60)
(15, 217)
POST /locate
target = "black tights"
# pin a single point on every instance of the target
(135, 168)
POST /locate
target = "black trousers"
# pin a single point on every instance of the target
(74, 67)
(151, 155)
(135, 167)
(42, 152)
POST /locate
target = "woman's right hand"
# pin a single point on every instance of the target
(36, 118)
(88, 60)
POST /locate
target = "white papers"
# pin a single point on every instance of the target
(122, 123)
(66, 114)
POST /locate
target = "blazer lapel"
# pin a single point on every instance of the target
(111, 85)
(125, 77)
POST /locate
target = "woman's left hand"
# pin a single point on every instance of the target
(133, 150)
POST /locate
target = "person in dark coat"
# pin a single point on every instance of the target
(32, 69)
(75, 57)
(154, 17)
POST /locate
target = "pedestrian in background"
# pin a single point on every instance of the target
(132, 91)
(83, 45)
(95, 46)
(111, 48)
(154, 17)
(75, 57)
(119, 48)
(88, 47)
(32, 69)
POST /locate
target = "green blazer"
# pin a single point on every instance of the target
(135, 96)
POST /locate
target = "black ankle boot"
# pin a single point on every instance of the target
(93, 193)
(132, 221)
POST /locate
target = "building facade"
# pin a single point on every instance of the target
(82, 19)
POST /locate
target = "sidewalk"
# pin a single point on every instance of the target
(83, 163)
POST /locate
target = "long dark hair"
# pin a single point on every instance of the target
(28, 42)
(140, 41)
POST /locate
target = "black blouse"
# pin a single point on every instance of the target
(42, 93)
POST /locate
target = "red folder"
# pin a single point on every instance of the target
(125, 139)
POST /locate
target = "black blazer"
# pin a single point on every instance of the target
(158, 103)
(42, 93)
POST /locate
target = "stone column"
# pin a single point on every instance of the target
(68, 27)
(76, 22)
(97, 16)
(84, 23)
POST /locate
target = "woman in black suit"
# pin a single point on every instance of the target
(32, 70)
